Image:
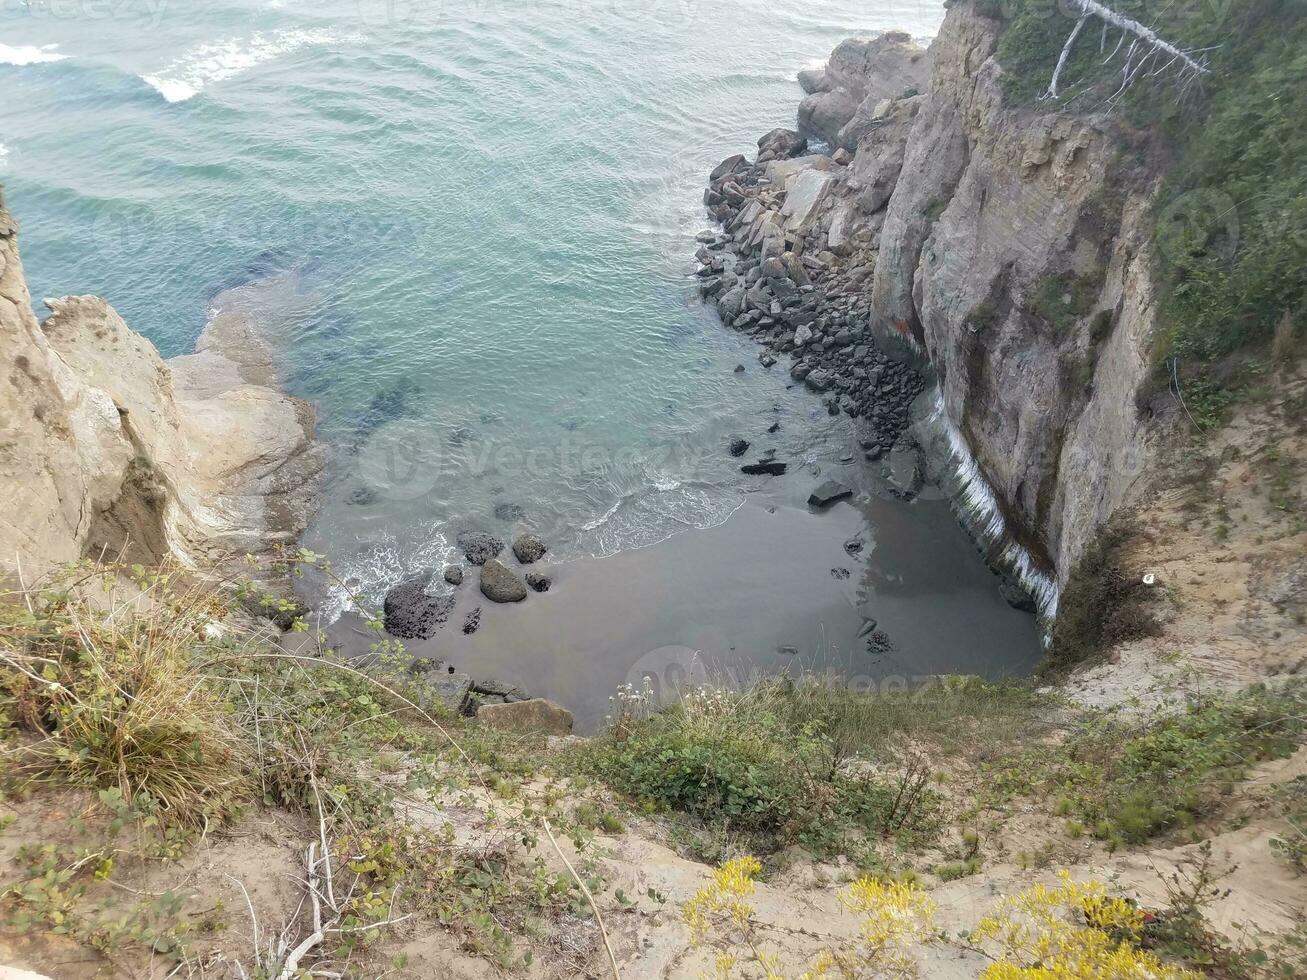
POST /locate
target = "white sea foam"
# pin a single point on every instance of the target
(651, 516)
(982, 510)
(217, 61)
(369, 574)
(4, 156)
(29, 54)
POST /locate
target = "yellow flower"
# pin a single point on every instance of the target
(1072, 931)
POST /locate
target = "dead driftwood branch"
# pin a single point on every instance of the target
(1148, 52)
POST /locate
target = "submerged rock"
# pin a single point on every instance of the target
(766, 467)
(508, 512)
(538, 582)
(473, 621)
(498, 584)
(828, 493)
(739, 446)
(454, 574)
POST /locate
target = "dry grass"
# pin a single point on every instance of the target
(97, 676)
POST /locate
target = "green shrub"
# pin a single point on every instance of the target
(1231, 218)
(768, 763)
(1135, 784)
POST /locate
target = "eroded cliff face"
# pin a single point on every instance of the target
(107, 449)
(1005, 248)
(1015, 253)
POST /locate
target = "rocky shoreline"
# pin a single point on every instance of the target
(788, 264)
(793, 259)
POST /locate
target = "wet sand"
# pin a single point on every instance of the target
(756, 593)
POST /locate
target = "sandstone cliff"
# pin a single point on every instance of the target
(1015, 254)
(107, 448)
(1007, 250)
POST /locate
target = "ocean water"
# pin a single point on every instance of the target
(467, 227)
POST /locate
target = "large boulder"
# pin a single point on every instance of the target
(861, 73)
(731, 303)
(814, 80)
(732, 164)
(536, 716)
(528, 548)
(412, 613)
(803, 202)
(780, 144)
(499, 584)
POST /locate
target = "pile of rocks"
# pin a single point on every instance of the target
(793, 261)
(412, 611)
(771, 274)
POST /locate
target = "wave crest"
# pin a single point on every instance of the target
(29, 54)
(217, 61)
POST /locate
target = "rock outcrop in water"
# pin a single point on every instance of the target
(107, 449)
(1006, 250)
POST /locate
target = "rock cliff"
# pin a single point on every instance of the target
(1005, 250)
(107, 448)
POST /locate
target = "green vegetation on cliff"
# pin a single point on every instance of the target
(1231, 232)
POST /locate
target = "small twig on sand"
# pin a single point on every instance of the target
(599, 919)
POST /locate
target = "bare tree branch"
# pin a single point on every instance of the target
(1189, 64)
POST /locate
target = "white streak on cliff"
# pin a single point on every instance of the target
(981, 511)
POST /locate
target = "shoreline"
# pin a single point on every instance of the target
(663, 609)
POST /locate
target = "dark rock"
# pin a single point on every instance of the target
(769, 467)
(819, 380)
(361, 496)
(478, 547)
(473, 621)
(454, 574)
(538, 581)
(878, 642)
(739, 369)
(774, 427)
(498, 584)
(766, 360)
(868, 627)
(839, 573)
(451, 689)
(853, 546)
(528, 548)
(508, 512)
(782, 144)
(1016, 595)
(739, 446)
(731, 303)
(498, 689)
(730, 165)
(412, 613)
(828, 493)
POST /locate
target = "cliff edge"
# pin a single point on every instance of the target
(107, 449)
